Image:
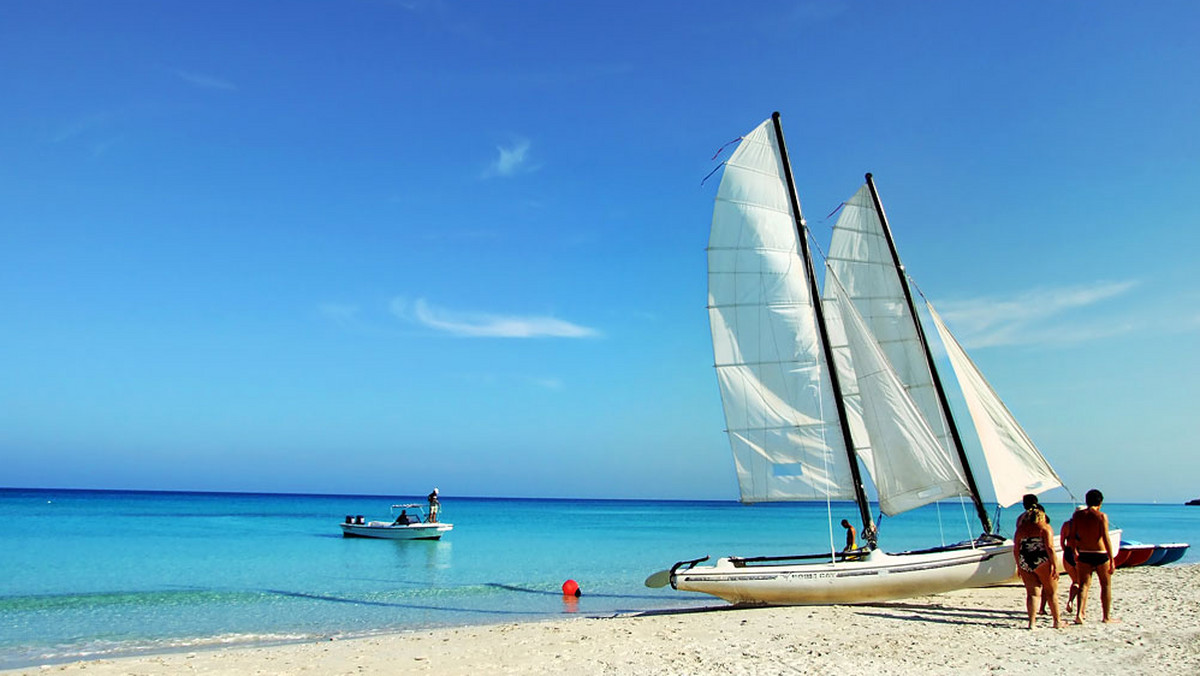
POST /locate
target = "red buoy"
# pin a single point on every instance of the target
(571, 588)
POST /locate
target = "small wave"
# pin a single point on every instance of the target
(39, 602)
(107, 649)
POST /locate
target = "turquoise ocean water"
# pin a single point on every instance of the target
(90, 574)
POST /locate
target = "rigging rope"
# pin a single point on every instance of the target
(722, 148)
(941, 530)
(825, 465)
(702, 181)
(816, 245)
(824, 441)
(962, 502)
(715, 156)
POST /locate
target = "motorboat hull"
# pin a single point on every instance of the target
(384, 530)
(877, 576)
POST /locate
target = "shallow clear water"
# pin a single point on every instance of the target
(90, 573)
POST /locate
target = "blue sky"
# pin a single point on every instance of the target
(372, 247)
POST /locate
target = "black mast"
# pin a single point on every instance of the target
(860, 493)
(937, 381)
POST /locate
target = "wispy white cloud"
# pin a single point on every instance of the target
(1039, 316)
(482, 325)
(549, 383)
(205, 81)
(83, 127)
(95, 133)
(511, 160)
(102, 146)
(510, 380)
(415, 5)
(341, 314)
(811, 11)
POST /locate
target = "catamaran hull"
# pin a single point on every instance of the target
(877, 577)
(387, 531)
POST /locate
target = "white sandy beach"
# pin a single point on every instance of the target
(973, 631)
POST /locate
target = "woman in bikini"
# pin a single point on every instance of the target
(1033, 549)
(1066, 536)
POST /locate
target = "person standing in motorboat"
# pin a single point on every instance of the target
(434, 506)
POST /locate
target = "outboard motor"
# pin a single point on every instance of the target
(359, 519)
(349, 518)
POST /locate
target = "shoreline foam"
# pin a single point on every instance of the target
(967, 631)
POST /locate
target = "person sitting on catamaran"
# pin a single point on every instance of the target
(851, 537)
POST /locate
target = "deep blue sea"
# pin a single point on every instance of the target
(90, 574)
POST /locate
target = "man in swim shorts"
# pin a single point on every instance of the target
(1093, 553)
(851, 539)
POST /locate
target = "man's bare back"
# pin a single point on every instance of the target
(1093, 553)
(1089, 528)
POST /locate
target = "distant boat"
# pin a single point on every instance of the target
(407, 526)
(822, 389)
(1195, 502)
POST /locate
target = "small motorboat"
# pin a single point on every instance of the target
(411, 524)
(1193, 503)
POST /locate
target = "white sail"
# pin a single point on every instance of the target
(862, 262)
(861, 259)
(783, 419)
(910, 466)
(1015, 464)
(779, 408)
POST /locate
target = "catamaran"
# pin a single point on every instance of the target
(818, 386)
